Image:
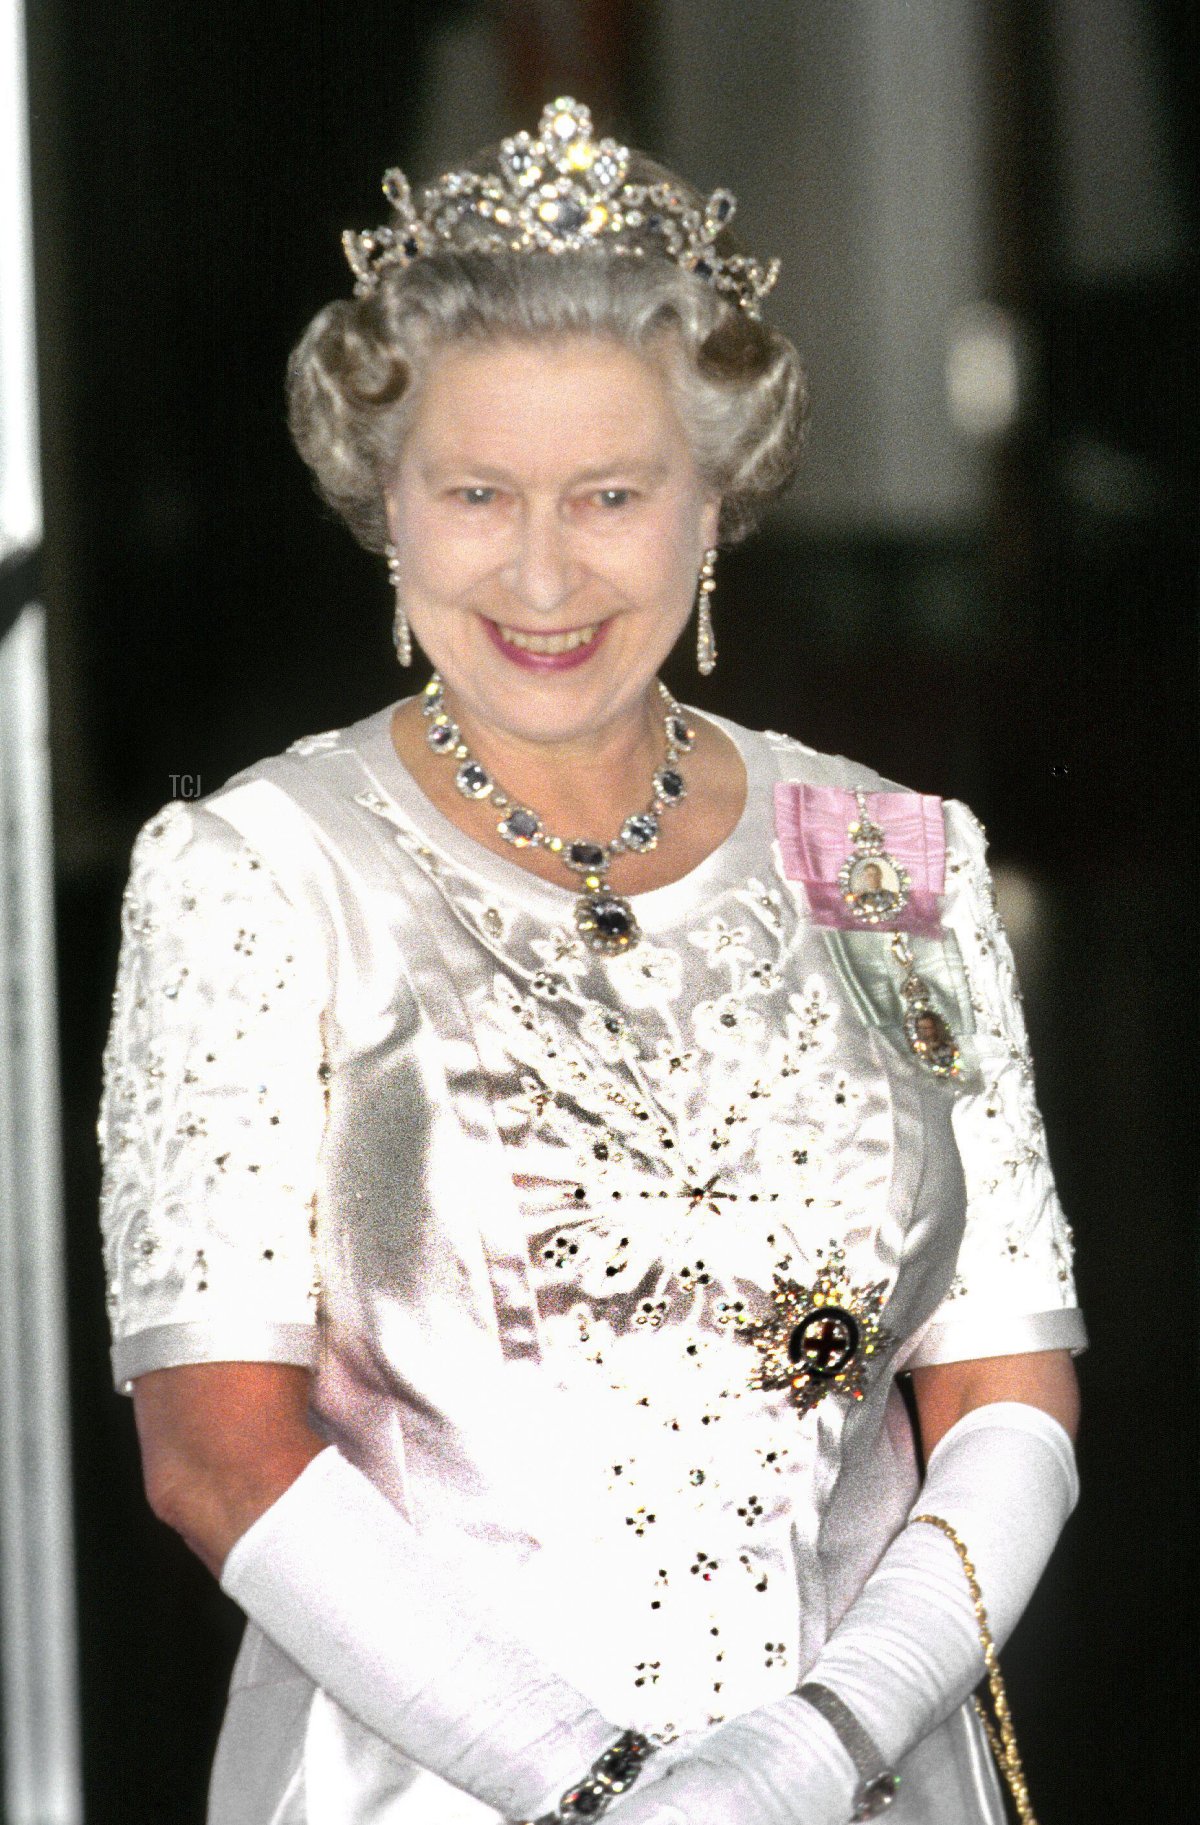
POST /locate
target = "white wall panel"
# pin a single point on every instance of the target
(37, 1615)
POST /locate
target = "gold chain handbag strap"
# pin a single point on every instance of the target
(1000, 1733)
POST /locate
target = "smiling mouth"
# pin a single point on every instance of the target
(548, 645)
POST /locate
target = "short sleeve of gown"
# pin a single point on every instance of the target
(213, 1107)
(1013, 1290)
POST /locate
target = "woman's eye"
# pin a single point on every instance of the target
(477, 497)
(614, 497)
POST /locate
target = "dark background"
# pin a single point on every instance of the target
(194, 167)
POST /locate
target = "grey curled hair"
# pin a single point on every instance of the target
(353, 379)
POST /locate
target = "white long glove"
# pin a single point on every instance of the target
(907, 1652)
(344, 1585)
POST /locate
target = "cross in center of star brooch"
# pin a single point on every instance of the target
(820, 1339)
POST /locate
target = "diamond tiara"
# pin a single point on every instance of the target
(559, 192)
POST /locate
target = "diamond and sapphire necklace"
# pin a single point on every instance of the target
(604, 919)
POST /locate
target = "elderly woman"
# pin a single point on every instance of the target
(528, 1164)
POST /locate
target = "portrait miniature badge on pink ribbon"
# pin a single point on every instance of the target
(868, 860)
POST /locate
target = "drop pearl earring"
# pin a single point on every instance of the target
(706, 643)
(401, 632)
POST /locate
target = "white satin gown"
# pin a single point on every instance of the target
(371, 1106)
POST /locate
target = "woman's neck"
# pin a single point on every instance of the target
(589, 796)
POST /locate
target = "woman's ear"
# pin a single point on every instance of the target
(710, 521)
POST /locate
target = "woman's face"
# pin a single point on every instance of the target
(550, 524)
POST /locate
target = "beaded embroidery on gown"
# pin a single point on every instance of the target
(371, 1106)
